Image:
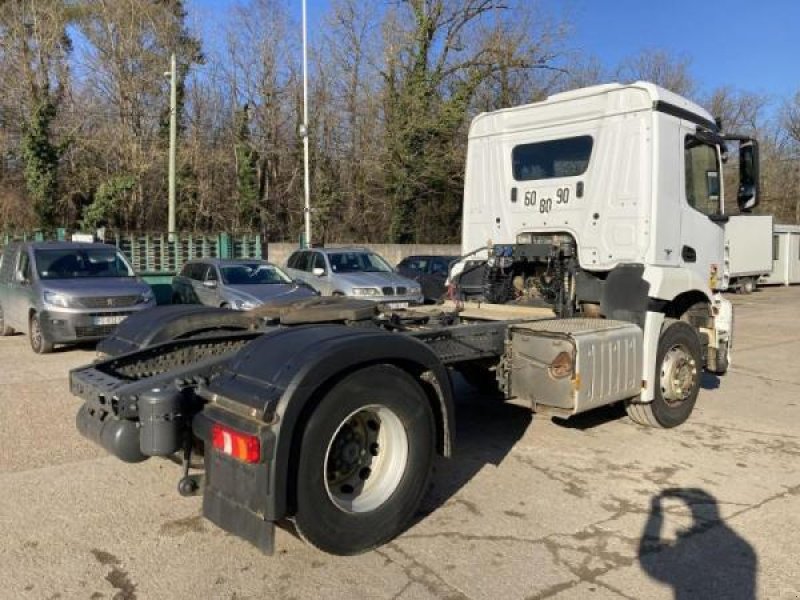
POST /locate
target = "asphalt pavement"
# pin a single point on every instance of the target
(530, 507)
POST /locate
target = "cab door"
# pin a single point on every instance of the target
(702, 235)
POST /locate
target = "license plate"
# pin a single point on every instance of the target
(110, 320)
(397, 305)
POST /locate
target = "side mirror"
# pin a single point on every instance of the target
(210, 284)
(748, 196)
(318, 271)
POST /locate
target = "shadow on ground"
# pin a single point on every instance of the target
(486, 431)
(707, 560)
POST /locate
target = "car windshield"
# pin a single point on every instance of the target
(74, 263)
(358, 262)
(253, 273)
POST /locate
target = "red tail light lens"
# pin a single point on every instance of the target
(242, 446)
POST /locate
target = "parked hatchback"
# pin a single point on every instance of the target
(429, 271)
(237, 284)
(353, 272)
(66, 292)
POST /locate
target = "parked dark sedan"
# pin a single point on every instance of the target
(238, 284)
(429, 271)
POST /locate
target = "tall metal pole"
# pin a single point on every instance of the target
(304, 133)
(173, 140)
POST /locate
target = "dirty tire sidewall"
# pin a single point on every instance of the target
(39, 343)
(677, 332)
(318, 520)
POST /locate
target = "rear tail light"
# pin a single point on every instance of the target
(242, 446)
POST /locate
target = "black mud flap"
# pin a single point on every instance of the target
(237, 494)
(238, 520)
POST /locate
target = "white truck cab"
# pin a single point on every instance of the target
(605, 202)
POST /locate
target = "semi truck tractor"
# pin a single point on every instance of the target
(593, 245)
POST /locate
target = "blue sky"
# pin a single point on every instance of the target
(750, 45)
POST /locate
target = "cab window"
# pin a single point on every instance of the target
(567, 157)
(319, 261)
(419, 264)
(24, 265)
(702, 176)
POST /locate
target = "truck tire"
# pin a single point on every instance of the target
(39, 342)
(365, 461)
(679, 366)
(4, 329)
(748, 285)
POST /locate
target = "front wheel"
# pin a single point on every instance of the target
(679, 366)
(38, 339)
(365, 461)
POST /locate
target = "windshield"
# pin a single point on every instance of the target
(73, 263)
(253, 273)
(358, 262)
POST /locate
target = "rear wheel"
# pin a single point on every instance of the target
(365, 461)
(38, 339)
(4, 329)
(679, 366)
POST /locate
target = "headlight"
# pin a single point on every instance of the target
(55, 299)
(366, 292)
(146, 297)
(414, 291)
(243, 304)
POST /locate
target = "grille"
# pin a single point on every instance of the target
(401, 291)
(94, 330)
(388, 291)
(106, 301)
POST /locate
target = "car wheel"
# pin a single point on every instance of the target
(39, 342)
(4, 329)
(365, 461)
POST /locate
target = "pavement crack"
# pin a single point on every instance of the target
(747, 373)
(420, 573)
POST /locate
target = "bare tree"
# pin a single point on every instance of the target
(662, 68)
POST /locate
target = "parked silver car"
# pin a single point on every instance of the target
(355, 272)
(65, 292)
(237, 284)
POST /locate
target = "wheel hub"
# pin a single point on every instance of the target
(678, 375)
(366, 459)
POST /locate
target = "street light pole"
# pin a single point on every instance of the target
(173, 141)
(304, 133)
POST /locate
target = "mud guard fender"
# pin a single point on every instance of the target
(281, 375)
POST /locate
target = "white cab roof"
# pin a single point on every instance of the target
(582, 104)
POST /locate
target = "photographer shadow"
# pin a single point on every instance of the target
(707, 560)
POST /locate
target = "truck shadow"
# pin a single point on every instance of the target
(486, 431)
(706, 560)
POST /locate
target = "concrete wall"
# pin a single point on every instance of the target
(394, 253)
